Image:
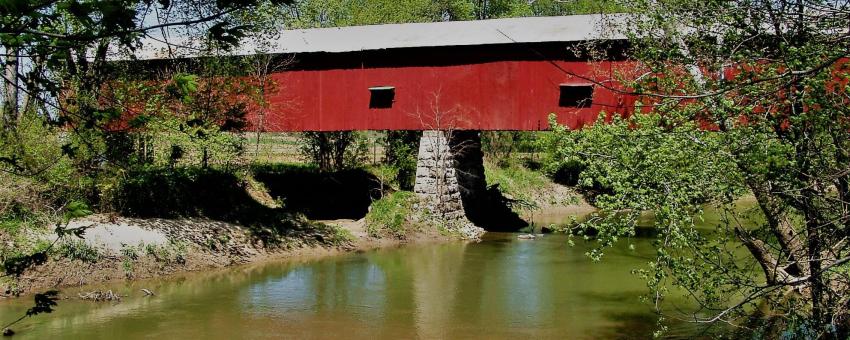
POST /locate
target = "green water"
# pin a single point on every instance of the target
(499, 288)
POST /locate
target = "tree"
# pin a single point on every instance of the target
(737, 96)
(334, 13)
(56, 112)
(333, 151)
(58, 52)
(401, 151)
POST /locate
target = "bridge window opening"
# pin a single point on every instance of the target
(576, 95)
(382, 97)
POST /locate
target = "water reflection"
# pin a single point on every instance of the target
(499, 288)
(436, 283)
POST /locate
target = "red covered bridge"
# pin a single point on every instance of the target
(502, 74)
(451, 79)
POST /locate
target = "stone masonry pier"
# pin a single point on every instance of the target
(437, 180)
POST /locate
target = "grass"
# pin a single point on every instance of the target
(515, 180)
(79, 250)
(273, 147)
(341, 236)
(388, 215)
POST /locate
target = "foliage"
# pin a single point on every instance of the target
(19, 259)
(341, 236)
(387, 176)
(333, 151)
(129, 252)
(520, 183)
(58, 139)
(189, 119)
(173, 252)
(57, 62)
(78, 250)
(501, 146)
(129, 255)
(741, 95)
(401, 148)
(42, 180)
(332, 13)
(389, 215)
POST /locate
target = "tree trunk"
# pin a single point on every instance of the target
(820, 315)
(10, 81)
(206, 158)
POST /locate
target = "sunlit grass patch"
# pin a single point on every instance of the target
(389, 215)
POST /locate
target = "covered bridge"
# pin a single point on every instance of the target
(450, 79)
(500, 74)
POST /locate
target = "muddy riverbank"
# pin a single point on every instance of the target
(115, 249)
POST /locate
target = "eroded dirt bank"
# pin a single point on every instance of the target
(118, 248)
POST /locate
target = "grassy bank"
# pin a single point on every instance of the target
(530, 189)
(391, 215)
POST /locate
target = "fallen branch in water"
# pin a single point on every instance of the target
(100, 296)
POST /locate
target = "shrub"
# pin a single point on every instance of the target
(389, 215)
(183, 192)
(341, 236)
(79, 250)
(129, 252)
(333, 151)
(502, 146)
(401, 153)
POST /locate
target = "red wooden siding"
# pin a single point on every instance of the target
(475, 92)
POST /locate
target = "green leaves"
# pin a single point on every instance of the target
(330, 13)
(76, 209)
(139, 121)
(767, 115)
(80, 11)
(226, 35)
(183, 86)
(651, 171)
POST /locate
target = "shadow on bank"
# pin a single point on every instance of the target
(216, 195)
(344, 194)
(304, 193)
(347, 194)
(485, 206)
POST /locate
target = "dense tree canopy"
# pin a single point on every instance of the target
(56, 52)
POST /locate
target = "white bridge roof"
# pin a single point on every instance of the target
(453, 33)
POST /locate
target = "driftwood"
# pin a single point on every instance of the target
(100, 296)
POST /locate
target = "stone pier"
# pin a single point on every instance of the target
(442, 185)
